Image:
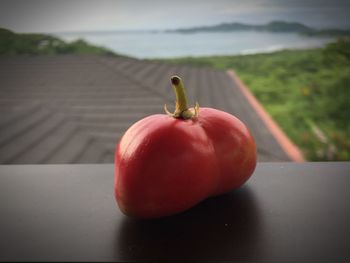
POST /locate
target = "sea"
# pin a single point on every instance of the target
(148, 45)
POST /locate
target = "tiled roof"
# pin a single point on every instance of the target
(74, 109)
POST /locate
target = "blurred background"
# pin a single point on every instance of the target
(74, 75)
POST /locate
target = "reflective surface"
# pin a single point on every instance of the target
(217, 228)
(286, 212)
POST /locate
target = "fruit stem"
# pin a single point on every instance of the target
(181, 108)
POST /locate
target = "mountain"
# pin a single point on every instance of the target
(12, 43)
(274, 26)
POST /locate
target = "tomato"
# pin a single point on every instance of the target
(167, 163)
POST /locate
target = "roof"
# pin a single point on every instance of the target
(74, 109)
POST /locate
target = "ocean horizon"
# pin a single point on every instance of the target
(157, 44)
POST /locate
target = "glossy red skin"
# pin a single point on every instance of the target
(165, 165)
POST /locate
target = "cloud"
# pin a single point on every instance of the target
(44, 15)
(82, 15)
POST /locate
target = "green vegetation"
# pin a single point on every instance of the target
(41, 44)
(306, 91)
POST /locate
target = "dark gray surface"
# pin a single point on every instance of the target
(74, 109)
(286, 212)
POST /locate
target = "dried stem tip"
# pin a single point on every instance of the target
(175, 80)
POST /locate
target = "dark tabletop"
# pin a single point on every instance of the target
(286, 212)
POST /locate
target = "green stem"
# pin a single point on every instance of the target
(181, 98)
(181, 108)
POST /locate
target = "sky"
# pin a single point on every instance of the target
(99, 15)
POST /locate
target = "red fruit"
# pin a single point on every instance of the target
(167, 163)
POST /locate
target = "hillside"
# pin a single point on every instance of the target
(42, 44)
(274, 26)
(305, 91)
